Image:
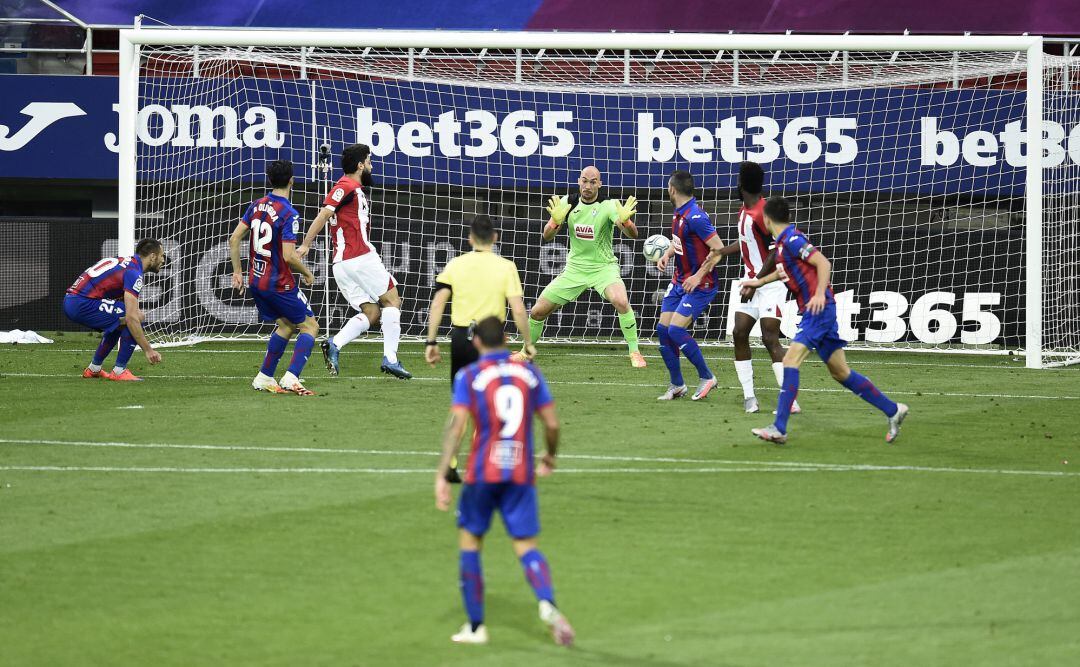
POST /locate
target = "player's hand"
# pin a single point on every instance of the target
(442, 493)
(153, 356)
(308, 278)
(747, 292)
(752, 283)
(558, 209)
(547, 465)
(662, 263)
(627, 210)
(302, 250)
(530, 351)
(238, 282)
(816, 304)
(432, 355)
(691, 283)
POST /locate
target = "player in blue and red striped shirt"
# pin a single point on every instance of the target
(272, 258)
(693, 287)
(106, 298)
(501, 396)
(806, 272)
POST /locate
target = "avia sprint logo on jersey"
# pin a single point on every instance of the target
(586, 232)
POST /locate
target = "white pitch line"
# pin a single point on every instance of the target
(578, 383)
(779, 466)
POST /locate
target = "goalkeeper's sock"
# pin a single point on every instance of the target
(301, 352)
(628, 324)
(275, 347)
(862, 387)
(536, 329)
(108, 342)
(123, 355)
(686, 343)
(353, 329)
(391, 331)
(472, 587)
(538, 575)
(670, 353)
(788, 390)
(745, 371)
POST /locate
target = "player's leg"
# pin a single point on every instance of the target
(777, 431)
(307, 330)
(861, 386)
(770, 337)
(691, 306)
(85, 311)
(668, 351)
(744, 368)
(615, 293)
(475, 507)
(566, 287)
(390, 304)
(104, 348)
(520, 512)
(275, 348)
(125, 348)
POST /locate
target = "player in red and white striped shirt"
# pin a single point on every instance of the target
(358, 270)
(762, 305)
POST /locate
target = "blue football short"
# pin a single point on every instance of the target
(274, 305)
(103, 315)
(820, 332)
(691, 305)
(515, 502)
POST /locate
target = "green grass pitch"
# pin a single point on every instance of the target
(188, 520)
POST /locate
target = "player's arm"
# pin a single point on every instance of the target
(662, 263)
(455, 428)
(824, 270)
(730, 249)
(550, 419)
(715, 247)
(288, 252)
(762, 279)
(435, 315)
(768, 266)
(623, 215)
(133, 318)
(234, 252)
(313, 232)
(558, 208)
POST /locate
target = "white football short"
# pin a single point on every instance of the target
(363, 279)
(768, 300)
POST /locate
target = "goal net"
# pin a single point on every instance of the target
(908, 167)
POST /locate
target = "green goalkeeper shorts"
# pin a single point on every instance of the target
(569, 284)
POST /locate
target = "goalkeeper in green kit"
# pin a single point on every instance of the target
(592, 264)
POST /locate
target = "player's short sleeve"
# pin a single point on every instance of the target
(446, 277)
(513, 281)
(338, 195)
(290, 223)
(461, 390)
(701, 225)
(800, 246)
(245, 219)
(541, 394)
(133, 282)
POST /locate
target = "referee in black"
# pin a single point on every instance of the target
(480, 284)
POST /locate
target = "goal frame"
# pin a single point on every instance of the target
(1032, 46)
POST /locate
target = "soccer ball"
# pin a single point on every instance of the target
(655, 247)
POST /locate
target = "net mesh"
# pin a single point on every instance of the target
(907, 169)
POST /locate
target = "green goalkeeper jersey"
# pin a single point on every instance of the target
(591, 228)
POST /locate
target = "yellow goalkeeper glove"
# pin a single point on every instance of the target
(558, 209)
(627, 210)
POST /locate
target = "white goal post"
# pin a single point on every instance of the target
(888, 144)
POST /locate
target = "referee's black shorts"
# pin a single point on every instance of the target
(462, 352)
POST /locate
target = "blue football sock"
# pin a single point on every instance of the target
(685, 342)
(472, 587)
(274, 349)
(788, 390)
(123, 355)
(301, 352)
(108, 342)
(670, 353)
(539, 575)
(862, 387)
